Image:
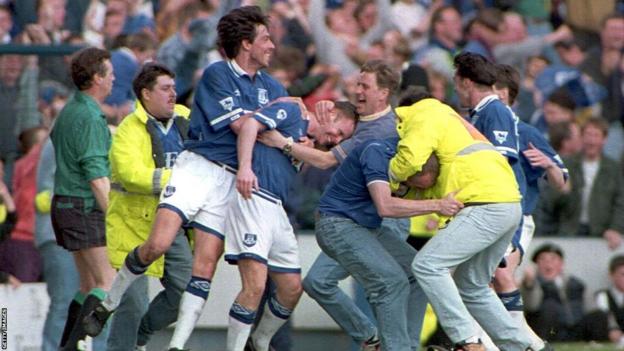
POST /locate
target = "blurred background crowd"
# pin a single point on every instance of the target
(570, 54)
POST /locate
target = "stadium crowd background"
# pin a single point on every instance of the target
(570, 54)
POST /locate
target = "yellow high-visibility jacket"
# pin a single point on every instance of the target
(468, 162)
(136, 183)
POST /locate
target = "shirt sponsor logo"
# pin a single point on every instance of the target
(500, 136)
(281, 114)
(169, 190)
(250, 239)
(263, 96)
(227, 103)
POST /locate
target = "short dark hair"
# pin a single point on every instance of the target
(561, 97)
(412, 94)
(146, 79)
(238, 25)
(348, 110)
(476, 68)
(547, 247)
(386, 76)
(615, 263)
(508, 77)
(85, 64)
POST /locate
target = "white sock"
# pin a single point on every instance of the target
(122, 281)
(237, 334)
(269, 324)
(536, 342)
(191, 307)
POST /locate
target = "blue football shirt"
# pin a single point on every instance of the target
(274, 170)
(347, 193)
(530, 134)
(497, 122)
(224, 93)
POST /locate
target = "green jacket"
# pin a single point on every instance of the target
(559, 214)
(138, 176)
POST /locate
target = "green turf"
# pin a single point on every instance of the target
(585, 347)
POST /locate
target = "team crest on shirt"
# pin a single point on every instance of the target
(227, 103)
(250, 239)
(281, 114)
(263, 96)
(169, 190)
(500, 136)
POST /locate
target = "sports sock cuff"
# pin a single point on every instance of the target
(242, 314)
(278, 309)
(99, 293)
(79, 297)
(134, 264)
(199, 286)
(512, 300)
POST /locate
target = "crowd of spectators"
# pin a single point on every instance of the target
(570, 54)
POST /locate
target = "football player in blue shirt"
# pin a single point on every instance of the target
(260, 238)
(538, 160)
(202, 183)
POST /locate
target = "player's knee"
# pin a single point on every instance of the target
(152, 250)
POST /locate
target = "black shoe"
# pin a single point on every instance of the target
(177, 349)
(249, 346)
(95, 321)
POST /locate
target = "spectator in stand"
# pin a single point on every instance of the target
(18, 96)
(478, 41)
(565, 138)
(49, 30)
(603, 59)
(444, 41)
(559, 107)
(6, 23)
(126, 62)
(608, 319)
(570, 52)
(594, 207)
(18, 255)
(525, 106)
(140, 18)
(553, 300)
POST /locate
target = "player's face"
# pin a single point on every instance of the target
(160, 100)
(262, 47)
(370, 98)
(339, 130)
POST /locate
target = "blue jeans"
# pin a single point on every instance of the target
(134, 321)
(380, 261)
(61, 277)
(474, 242)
